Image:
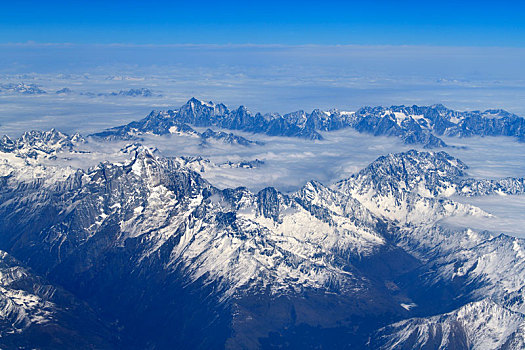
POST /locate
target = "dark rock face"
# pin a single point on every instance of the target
(36, 314)
(268, 203)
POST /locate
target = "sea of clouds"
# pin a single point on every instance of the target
(275, 79)
(265, 78)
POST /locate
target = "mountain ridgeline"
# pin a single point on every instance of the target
(413, 125)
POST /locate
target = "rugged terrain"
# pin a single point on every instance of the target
(414, 125)
(139, 251)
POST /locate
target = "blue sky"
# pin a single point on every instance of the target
(444, 23)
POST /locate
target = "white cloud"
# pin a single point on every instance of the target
(508, 215)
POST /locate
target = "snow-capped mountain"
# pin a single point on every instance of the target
(416, 186)
(229, 138)
(442, 121)
(143, 92)
(478, 325)
(35, 143)
(414, 125)
(166, 259)
(30, 157)
(162, 124)
(22, 88)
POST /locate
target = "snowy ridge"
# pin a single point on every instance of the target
(412, 188)
(34, 313)
(20, 308)
(479, 325)
(496, 264)
(271, 241)
(40, 143)
(22, 88)
(154, 198)
(162, 123)
(409, 187)
(416, 186)
(421, 122)
(26, 159)
(229, 138)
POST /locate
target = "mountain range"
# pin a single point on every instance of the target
(413, 125)
(143, 253)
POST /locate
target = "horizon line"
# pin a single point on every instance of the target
(31, 43)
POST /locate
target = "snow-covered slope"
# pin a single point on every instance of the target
(409, 187)
(163, 123)
(284, 238)
(478, 325)
(40, 143)
(421, 123)
(36, 314)
(416, 187)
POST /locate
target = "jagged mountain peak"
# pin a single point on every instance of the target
(478, 325)
(41, 143)
(7, 144)
(410, 186)
(429, 174)
(196, 106)
(242, 109)
(416, 162)
(48, 135)
(410, 170)
(228, 138)
(195, 103)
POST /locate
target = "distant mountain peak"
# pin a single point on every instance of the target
(41, 143)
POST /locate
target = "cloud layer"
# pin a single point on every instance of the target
(270, 78)
(263, 78)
